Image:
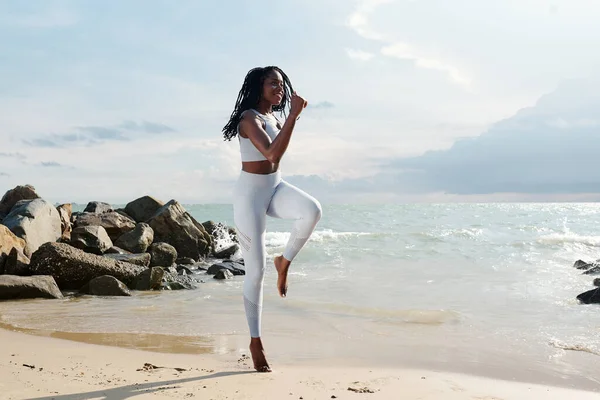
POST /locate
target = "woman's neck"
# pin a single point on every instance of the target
(264, 107)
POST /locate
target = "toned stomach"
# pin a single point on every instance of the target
(259, 167)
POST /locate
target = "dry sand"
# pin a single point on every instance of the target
(34, 367)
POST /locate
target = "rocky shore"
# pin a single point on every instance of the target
(47, 251)
(591, 269)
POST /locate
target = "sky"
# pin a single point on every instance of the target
(409, 100)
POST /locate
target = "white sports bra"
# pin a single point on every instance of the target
(247, 149)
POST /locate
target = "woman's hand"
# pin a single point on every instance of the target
(298, 104)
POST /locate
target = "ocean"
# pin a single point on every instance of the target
(488, 289)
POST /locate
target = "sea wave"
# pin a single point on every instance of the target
(279, 239)
(570, 238)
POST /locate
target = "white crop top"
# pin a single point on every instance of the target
(247, 149)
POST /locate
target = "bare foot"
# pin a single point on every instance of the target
(258, 355)
(282, 265)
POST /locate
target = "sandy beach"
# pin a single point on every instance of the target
(34, 367)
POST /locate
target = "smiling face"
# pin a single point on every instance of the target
(272, 90)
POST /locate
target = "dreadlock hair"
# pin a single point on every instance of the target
(250, 95)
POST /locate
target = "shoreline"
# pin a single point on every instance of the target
(43, 368)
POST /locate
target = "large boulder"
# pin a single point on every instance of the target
(97, 207)
(162, 254)
(105, 285)
(11, 197)
(91, 239)
(8, 242)
(72, 268)
(35, 221)
(114, 223)
(142, 209)
(234, 267)
(28, 287)
(64, 212)
(174, 225)
(138, 240)
(224, 240)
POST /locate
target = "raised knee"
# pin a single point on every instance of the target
(316, 211)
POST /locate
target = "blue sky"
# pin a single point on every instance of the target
(115, 100)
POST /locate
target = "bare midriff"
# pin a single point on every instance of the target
(264, 167)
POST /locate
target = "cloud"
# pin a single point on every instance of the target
(359, 55)
(403, 51)
(13, 155)
(527, 153)
(322, 105)
(50, 164)
(94, 135)
(358, 21)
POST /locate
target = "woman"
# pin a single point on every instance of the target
(260, 191)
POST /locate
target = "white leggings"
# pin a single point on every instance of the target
(255, 197)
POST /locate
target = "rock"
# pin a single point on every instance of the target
(114, 223)
(589, 297)
(597, 282)
(183, 270)
(142, 259)
(11, 197)
(162, 254)
(65, 211)
(232, 266)
(16, 263)
(150, 279)
(173, 281)
(8, 242)
(72, 268)
(227, 252)
(91, 239)
(97, 207)
(594, 270)
(580, 264)
(142, 209)
(185, 261)
(105, 285)
(173, 225)
(123, 213)
(116, 250)
(223, 238)
(223, 274)
(35, 221)
(137, 240)
(28, 287)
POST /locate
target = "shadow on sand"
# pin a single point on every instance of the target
(125, 392)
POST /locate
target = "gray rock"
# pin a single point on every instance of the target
(590, 297)
(114, 223)
(185, 261)
(116, 250)
(183, 270)
(11, 197)
(142, 259)
(142, 209)
(597, 282)
(150, 279)
(227, 252)
(105, 285)
(28, 287)
(137, 240)
(162, 254)
(580, 264)
(35, 221)
(72, 268)
(97, 207)
(223, 274)
(172, 281)
(232, 266)
(91, 239)
(173, 225)
(594, 270)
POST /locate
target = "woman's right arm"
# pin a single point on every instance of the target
(273, 151)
